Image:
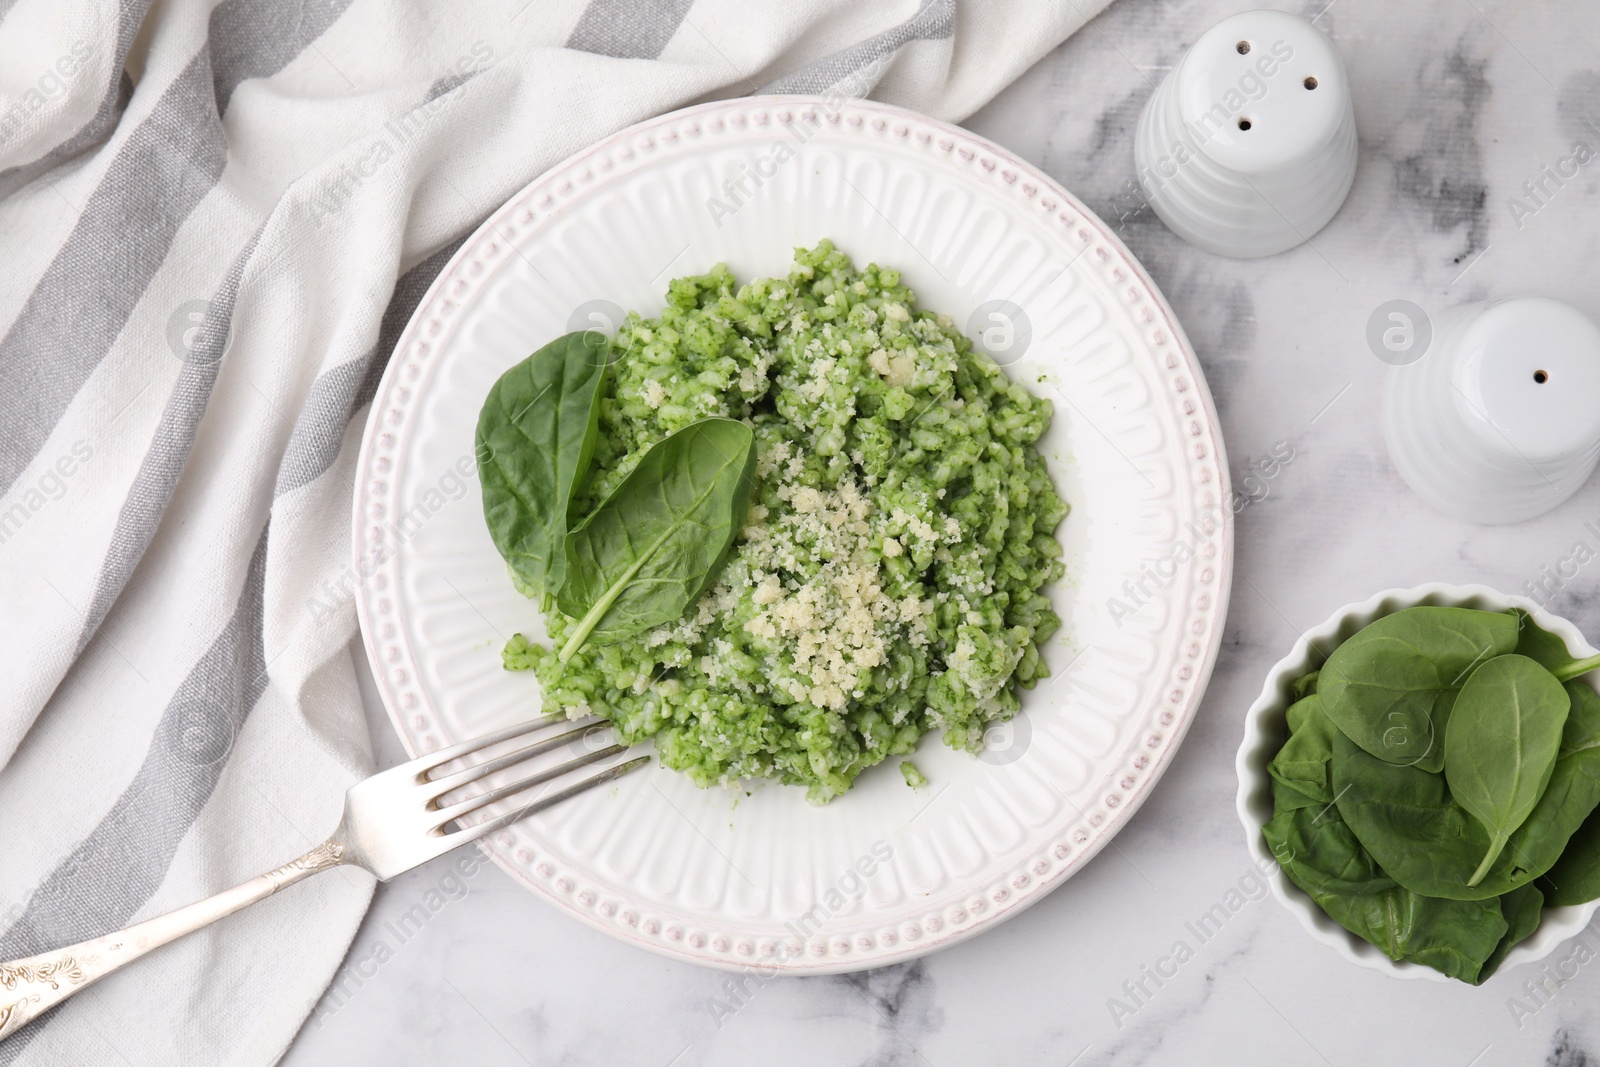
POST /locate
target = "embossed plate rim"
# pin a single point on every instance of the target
(1052, 857)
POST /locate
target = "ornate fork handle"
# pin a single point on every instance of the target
(31, 986)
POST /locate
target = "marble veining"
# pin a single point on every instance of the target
(1441, 172)
(1461, 106)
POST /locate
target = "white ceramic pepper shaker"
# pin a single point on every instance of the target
(1248, 147)
(1499, 420)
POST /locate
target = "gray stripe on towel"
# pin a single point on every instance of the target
(339, 393)
(934, 21)
(160, 174)
(168, 453)
(117, 868)
(628, 29)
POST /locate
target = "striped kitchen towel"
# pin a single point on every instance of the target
(215, 218)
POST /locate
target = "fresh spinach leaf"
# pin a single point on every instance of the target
(1318, 853)
(1431, 845)
(1405, 818)
(1391, 686)
(1505, 733)
(1305, 685)
(1574, 790)
(1456, 937)
(1301, 771)
(1521, 909)
(1452, 936)
(1539, 644)
(1575, 877)
(653, 546)
(1582, 731)
(1306, 834)
(1549, 650)
(535, 441)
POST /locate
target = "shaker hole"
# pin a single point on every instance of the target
(1540, 376)
(1244, 124)
(1311, 83)
(1243, 47)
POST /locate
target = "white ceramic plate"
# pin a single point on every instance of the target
(717, 877)
(1265, 731)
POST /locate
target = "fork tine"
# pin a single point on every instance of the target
(500, 822)
(445, 816)
(434, 760)
(441, 786)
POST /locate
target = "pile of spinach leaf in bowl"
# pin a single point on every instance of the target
(785, 528)
(1439, 785)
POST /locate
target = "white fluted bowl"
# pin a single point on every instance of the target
(1265, 730)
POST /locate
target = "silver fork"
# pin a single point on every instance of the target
(392, 822)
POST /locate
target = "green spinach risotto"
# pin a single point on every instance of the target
(818, 525)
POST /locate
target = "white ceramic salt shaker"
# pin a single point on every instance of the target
(1499, 420)
(1248, 147)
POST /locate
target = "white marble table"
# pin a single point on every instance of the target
(1460, 102)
